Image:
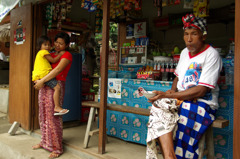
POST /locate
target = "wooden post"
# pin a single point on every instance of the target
(104, 77)
(236, 112)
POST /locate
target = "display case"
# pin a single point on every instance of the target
(131, 55)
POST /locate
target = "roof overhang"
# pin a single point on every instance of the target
(6, 6)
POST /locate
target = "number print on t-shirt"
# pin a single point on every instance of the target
(192, 75)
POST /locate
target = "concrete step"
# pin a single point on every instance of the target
(4, 97)
(4, 124)
(20, 145)
(3, 115)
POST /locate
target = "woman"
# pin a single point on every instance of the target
(50, 125)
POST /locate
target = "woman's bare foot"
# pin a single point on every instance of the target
(38, 146)
(53, 155)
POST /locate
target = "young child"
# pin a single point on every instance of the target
(42, 67)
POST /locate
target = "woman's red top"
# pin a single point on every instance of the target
(63, 75)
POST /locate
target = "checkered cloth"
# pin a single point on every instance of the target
(195, 118)
(189, 20)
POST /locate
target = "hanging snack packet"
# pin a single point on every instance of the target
(92, 7)
(195, 8)
(94, 1)
(203, 8)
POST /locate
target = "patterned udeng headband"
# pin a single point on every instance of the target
(191, 21)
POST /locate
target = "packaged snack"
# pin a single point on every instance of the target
(203, 8)
(195, 8)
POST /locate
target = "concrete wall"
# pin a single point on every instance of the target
(4, 97)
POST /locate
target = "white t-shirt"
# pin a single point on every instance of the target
(201, 69)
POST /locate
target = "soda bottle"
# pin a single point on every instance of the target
(171, 71)
(164, 71)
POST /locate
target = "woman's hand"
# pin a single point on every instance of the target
(38, 84)
(159, 95)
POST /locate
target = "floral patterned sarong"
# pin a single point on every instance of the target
(162, 120)
(50, 125)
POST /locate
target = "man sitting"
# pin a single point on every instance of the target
(196, 84)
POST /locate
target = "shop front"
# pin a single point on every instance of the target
(144, 53)
(149, 63)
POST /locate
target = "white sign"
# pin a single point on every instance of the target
(132, 51)
(6, 6)
(114, 87)
(132, 60)
(139, 29)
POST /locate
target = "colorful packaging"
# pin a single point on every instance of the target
(201, 8)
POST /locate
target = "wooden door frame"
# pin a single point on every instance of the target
(37, 32)
(236, 112)
(19, 90)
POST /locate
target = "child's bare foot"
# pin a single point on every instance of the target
(60, 111)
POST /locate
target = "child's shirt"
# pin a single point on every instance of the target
(41, 66)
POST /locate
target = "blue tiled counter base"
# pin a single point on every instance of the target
(223, 138)
(127, 126)
(133, 128)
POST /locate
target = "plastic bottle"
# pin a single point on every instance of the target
(148, 67)
(159, 70)
(230, 75)
(229, 64)
(155, 66)
(158, 66)
(151, 66)
(164, 71)
(171, 71)
(232, 45)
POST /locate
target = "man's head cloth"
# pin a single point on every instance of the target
(190, 21)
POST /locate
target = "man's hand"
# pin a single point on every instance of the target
(159, 95)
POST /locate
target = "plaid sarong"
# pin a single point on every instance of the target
(195, 118)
